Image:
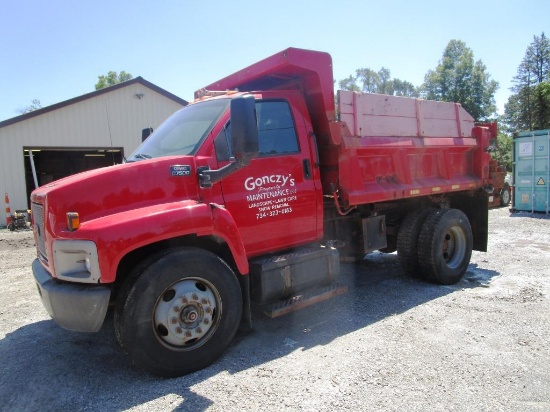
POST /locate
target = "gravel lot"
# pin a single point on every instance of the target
(390, 343)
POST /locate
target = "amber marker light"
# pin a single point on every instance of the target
(73, 221)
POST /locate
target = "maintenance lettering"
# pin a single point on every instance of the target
(270, 195)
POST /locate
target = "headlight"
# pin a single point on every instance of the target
(76, 261)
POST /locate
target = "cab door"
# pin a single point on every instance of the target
(274, 199)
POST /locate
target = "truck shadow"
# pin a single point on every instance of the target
(60, 370)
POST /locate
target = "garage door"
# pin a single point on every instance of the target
(55, 163)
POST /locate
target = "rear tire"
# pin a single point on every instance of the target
(180, 313)
(445, 246)
(407, 241)
(505, 196)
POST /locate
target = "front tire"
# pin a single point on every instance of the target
(445, 246)
(180, 313)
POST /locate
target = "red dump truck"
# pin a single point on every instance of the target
(502, 191)
(253, 195)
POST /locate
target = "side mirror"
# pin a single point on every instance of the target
(244, 141)
(145, 133)
(244, 129)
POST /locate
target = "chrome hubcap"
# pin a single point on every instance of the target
(454, 247)
(186, 313)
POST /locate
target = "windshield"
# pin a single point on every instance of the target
(183, 132)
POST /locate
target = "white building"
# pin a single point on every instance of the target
(94, 130)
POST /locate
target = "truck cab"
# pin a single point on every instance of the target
(279, 193)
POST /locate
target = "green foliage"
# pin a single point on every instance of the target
(35, 105)
(404, 88)
(457, 78)
(504, 151)
(111, 79)
(349, 83)
(528, 108)
(542, 105)
(368, 81)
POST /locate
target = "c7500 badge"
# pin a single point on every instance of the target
(178, 170)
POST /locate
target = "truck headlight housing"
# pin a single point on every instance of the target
(76, 261)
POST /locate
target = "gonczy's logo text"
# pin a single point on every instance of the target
(253, 183)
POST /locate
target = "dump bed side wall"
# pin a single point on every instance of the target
(394, 148)
(382, 115)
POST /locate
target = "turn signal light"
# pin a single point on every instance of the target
(73, 221)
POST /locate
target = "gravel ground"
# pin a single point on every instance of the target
(391, 343)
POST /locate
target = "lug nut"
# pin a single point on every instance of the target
(195, 296)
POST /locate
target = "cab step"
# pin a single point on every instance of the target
(305, 299)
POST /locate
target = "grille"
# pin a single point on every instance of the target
(38, 216)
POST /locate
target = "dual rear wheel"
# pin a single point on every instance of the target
(435, 244)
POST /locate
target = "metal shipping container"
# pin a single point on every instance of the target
(532, 171)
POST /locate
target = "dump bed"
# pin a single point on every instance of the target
(397, 147)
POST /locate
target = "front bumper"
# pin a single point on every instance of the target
(73, 306)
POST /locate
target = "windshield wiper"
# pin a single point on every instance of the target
(139, 156)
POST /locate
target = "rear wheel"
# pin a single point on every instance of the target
(445, 246)
(407, 241)
(505, 196)
(180, 313)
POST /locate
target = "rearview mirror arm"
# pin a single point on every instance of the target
(207, 177)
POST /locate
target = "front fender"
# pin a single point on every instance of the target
(225, 227)
(118, 234)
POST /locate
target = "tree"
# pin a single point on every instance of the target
(404, 88)
(503, 155)
(35, 105)
(542, 99)
(528, 107)
(111, 79)
(457, 78)
(367, 80)
(349, 83)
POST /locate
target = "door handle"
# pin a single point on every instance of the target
(307, 168)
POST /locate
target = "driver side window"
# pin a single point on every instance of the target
(276, 131)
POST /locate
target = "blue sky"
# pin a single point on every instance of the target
(55, 50)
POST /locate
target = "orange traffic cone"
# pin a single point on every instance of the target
(8, 210)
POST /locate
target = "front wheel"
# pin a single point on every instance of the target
(180, 313)
(445, 246)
